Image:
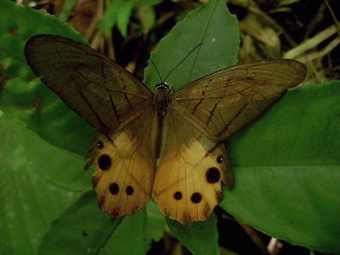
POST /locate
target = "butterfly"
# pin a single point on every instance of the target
(164, 145)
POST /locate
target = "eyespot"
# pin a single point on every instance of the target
(100, 145)
(219, 159)
(114, 188)
(104, 162)
(213, 175)
(178, 195)
(196, 198)
(129, 190)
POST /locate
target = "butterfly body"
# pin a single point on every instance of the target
(162, 145)
(162, 98)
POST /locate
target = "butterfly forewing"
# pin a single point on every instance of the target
(94, 86)
(223, 102)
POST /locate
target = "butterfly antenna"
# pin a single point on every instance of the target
(160, 77)
(182, 61)
(145, 52)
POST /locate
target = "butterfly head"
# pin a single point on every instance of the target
(162, 97)
(163, 86)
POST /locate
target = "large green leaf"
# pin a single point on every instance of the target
(38, 181)
(212, 25)
(23, 97)
(81, 229)
(287, 169)
(200, 237)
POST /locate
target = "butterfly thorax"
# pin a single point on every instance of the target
(162, 98)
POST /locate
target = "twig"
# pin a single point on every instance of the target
(310, 43)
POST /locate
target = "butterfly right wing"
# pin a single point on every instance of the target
(94, 86)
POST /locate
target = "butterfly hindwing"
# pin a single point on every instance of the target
(191, 167)
(125, 165)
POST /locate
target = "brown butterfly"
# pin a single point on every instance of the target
(162, 145)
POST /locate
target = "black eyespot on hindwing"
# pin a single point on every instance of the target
(213, 175)
(129, 190)
(114, 188)
(219, 159)
(100, 145)
(196, 198)
(178, 195)
(104, 162)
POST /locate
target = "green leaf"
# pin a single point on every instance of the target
(36, 186)
(156, 223)
(23, 97)
(81, 229)
(148, 2)
(118, 12)
(200, 238)
(130, 236)
(287, 169)
(212, 25)
(147, 17)
(68, 7)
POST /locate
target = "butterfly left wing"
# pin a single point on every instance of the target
(187, 184)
